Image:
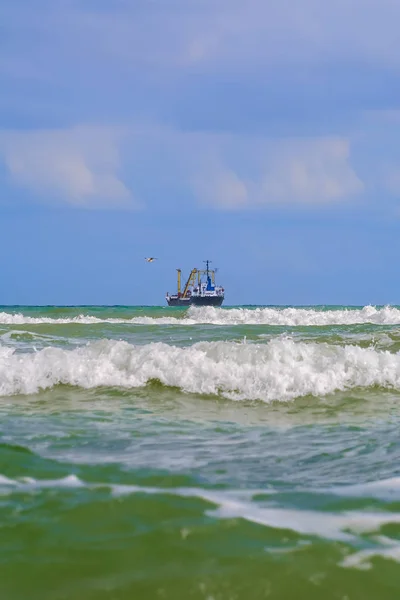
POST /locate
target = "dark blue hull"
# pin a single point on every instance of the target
(178, 301)
(207, 300)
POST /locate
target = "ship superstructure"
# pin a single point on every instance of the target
(206, 293)
(199, 290)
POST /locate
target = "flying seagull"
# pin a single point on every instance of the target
(150, 259)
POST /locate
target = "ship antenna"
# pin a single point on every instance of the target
(207, 262)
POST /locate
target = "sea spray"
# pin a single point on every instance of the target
(281, 369)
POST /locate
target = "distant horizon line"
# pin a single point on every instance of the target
(186, 307)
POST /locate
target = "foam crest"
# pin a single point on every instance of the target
(295, 317)
(384, 489)
(291, 317)
(335, 526)
(20, 319)
(279, 370)
(387, 549)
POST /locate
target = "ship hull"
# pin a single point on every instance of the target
(178, 302)
(207, 300)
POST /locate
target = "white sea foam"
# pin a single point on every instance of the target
(329, 525)
(21, 319)
(233, 504)
(292, 317)
(387, 549)
(384, 489)
(279, 370)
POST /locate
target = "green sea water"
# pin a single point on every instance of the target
(206, 454)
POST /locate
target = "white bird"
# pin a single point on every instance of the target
(150, 259)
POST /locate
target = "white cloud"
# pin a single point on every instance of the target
(221, 171)
(223, 189)
(377, 146)
(310, 171)
(276, 172)
(78, 166)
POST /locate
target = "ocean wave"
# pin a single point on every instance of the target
(21, 319)
(280, 370)
(240, 504)
(295, 317)
(292, 317)
(383, 489)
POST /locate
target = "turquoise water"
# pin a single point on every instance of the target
(246, 452)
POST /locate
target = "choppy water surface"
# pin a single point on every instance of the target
(248, 452)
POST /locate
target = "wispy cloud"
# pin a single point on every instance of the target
(222, 171)
(301, 172)
(222, 188)
(203, 67)
(311, 171)
(227, 34)
(215, 65)
(78, 166)
(306, 32)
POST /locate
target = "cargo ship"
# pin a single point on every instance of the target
(199, 290)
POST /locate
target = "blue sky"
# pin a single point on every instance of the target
(264, 135)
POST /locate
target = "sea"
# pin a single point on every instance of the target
(202, 453)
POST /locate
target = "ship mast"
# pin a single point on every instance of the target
(207, 263)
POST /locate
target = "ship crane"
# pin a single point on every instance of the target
(190, 282)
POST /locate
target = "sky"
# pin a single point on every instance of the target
(261, 134)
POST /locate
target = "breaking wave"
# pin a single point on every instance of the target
(293, 317)
(279, 370)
